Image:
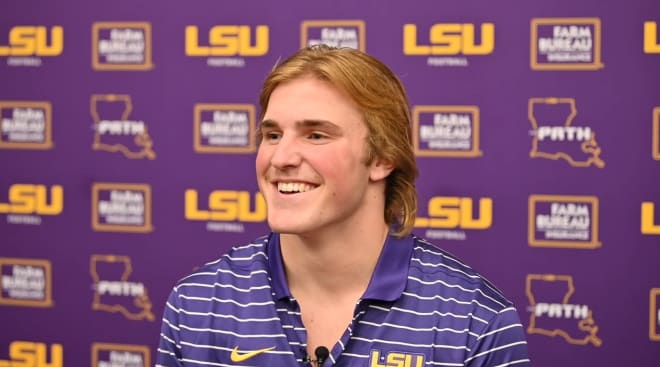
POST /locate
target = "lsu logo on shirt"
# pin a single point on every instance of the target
(121, 46)
(227, 45)
(115, 131)
(395, 359)
(26, 125)
(115, 292)
(227, 210)
(26, 282)
(651, 43)
(554, 310)
(656, 133)
(654, 314)
(555, 137)
(121, 207)
(446, 131)
(26, 203)
(562, 221)
(120, 355)
(648, 221)
(565, 44)
(224, 128)
(30, 354)
(28, 43)
(447, 44)
(450, 216)
(335, 33)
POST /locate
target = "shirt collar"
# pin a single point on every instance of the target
(387, 282)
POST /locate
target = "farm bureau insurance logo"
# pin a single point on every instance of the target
(648, 223)
(225, 210)
(555, 137)
(30, 354)
(565, 44)
(228, 45)
(114, 292)
(27, 203)
(450, 216)
(654, 314)
(224, 128)
(114, 131)
(656, 133)
(29, 43)
(121, 207)
(554, 311)
(651, 43)
(336, 33)
(121, 46)
(26, 282)
(449, 44)
(446, 131)
(563, 221)
(120, 355)
(26, 125)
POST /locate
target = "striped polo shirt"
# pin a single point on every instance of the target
(423, 307)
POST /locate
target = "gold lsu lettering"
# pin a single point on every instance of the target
(28, 354)
(225, 205)
(457, 212)
(29, 199)
(648, 221)
(450, 39)
(396, 359)
(33, 41)
(651, 45)
(228, 40)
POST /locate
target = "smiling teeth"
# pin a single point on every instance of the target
(293, 187)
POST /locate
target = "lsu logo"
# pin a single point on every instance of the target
(26, 282)
(336, 33)
(449, 39)
(226, 205)
(446, 131)
(648, 219)
(28, 354)
(651, 45)
(563, 221)
(121, 46)
(395, 359)
(33, 199)
(450, 216)
(33, 41)
(26, 125)
(565, 44)
(105, 355)
(228, 40)
(224, 128)
(654, 314)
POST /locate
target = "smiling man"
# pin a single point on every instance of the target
(339, 280)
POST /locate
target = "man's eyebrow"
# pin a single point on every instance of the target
(302, 124)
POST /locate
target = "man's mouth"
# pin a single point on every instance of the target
(294, 187)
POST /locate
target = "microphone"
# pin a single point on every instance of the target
(321, 354)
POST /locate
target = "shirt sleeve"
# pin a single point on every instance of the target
(501, 344)
(168, 353)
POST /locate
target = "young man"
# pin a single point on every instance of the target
(339, 281)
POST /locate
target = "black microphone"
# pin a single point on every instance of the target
(321, 354)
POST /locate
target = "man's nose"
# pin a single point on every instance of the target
(287, 153)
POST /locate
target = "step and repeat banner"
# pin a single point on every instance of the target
(127, 159)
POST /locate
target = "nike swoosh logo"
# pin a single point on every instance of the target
(238, 357)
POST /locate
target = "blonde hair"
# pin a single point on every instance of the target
(379, 94)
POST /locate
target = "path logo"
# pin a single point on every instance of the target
(563, 221)
(227, 210)
(566, 44)
(654, 314)
(649, 226)
(450, 216)
(27, 203)
(554, 136)
(553, 311)
(121, 46)
(448, 44)
(651, 42)
(336, 33)
(120, 355)
(28, 43)
(115, 132)
(26, 282)
(228, 45)
(113, 290)
(119, 207)
(26, 125)
(29, 354)
(446, 131)
(656, 133)
(224, 128)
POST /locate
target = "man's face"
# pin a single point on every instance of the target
(311, 162)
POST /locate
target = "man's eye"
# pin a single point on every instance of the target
(271, 135)
(316, 136)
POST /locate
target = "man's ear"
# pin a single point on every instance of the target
(380, 169)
